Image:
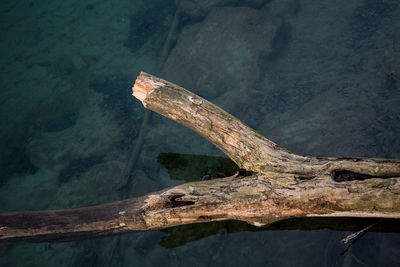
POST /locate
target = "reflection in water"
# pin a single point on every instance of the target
(180, 235)
(195, 167)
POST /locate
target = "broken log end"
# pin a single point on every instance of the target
(145, 84)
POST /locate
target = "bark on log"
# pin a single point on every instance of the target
(284, 185)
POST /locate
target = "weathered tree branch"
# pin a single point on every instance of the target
(247, 148)
(283, 185)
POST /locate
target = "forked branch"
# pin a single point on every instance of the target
(283, 185)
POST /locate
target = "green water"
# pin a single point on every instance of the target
(320, 78)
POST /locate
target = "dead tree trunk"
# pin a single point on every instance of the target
(283, 184)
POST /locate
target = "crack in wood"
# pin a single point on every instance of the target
(344, 175)
(174, 202)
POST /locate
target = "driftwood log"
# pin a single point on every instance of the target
(281, 185)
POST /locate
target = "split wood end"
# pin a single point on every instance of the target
(144, 85)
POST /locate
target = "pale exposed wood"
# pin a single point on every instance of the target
(283, 185)
(247, 148)
(258, 199)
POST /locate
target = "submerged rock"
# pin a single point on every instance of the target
(222, 53)
(200, 8)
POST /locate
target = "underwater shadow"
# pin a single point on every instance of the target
(181, 235)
